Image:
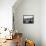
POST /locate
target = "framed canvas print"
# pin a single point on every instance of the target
(28, 19)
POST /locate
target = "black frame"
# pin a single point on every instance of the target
(28, 20)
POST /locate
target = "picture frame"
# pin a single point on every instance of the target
(28, 19)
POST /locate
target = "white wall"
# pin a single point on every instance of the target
(43, 22)
(25, 8)
(6, 13)
(31, 31)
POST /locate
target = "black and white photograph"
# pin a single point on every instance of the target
(28, 19)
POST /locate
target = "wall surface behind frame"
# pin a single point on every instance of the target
(30, 31)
